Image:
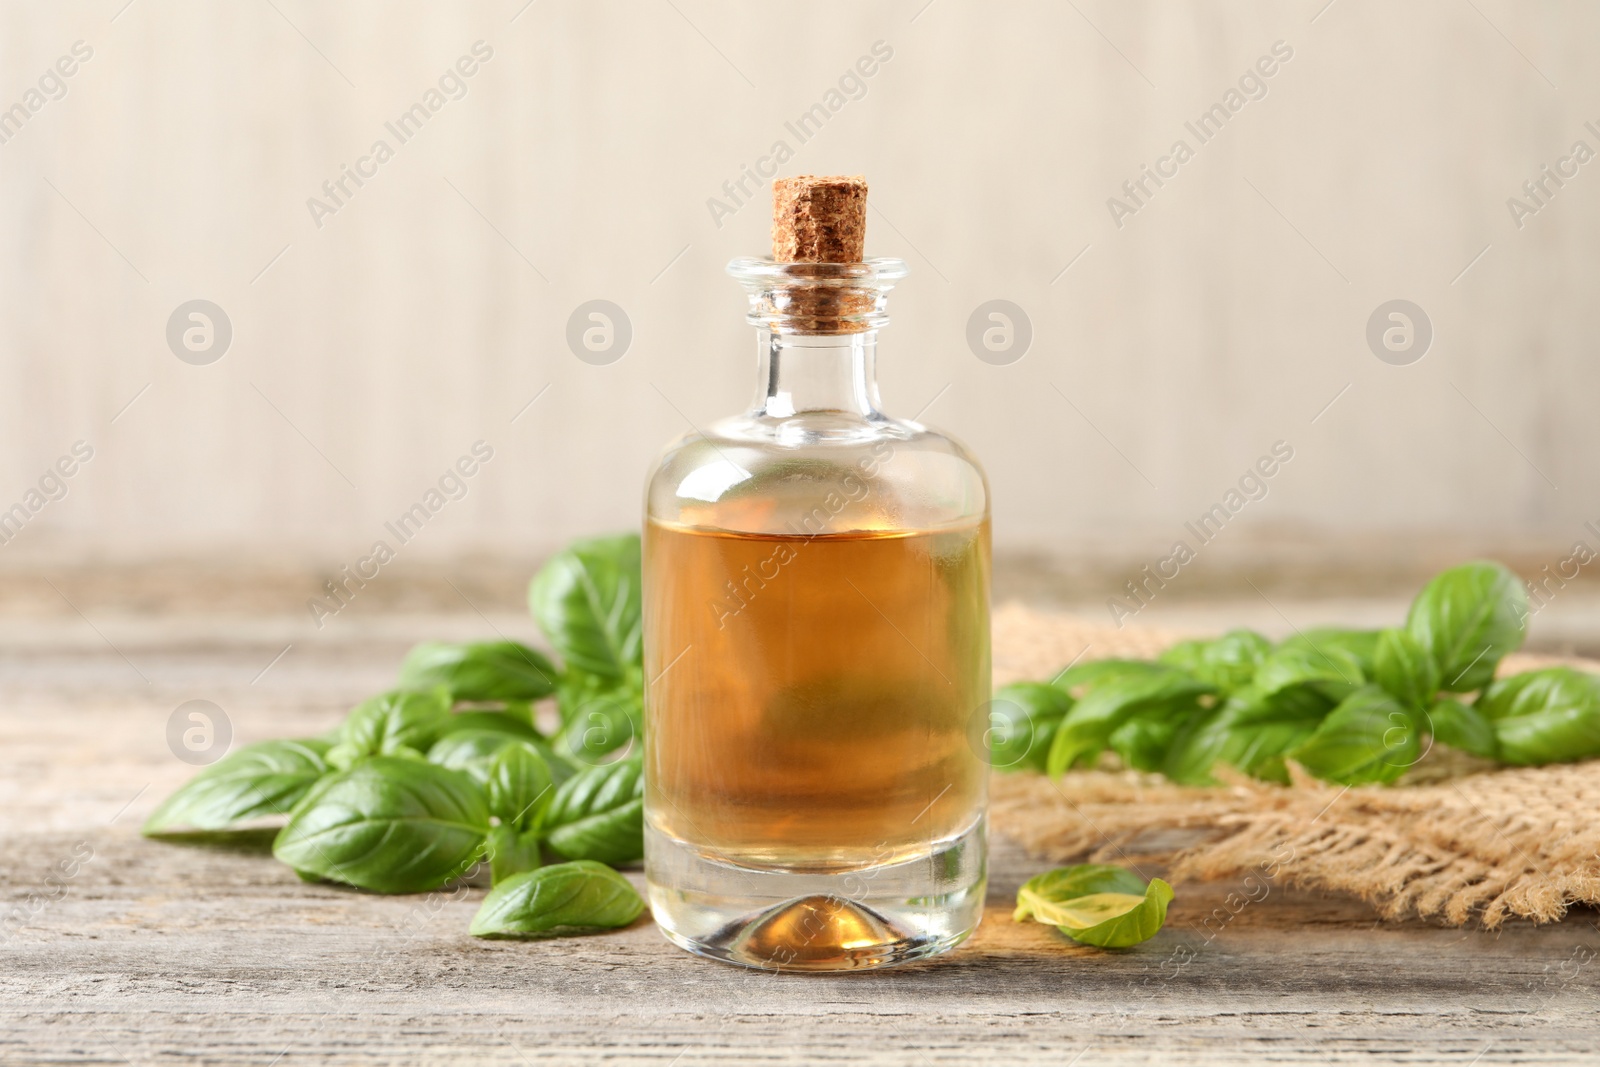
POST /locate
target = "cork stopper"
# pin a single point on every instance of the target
(817, 219)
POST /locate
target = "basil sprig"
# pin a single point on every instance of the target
(1350, 706)
(449, 769)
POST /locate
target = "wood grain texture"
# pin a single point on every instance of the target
(157, 953)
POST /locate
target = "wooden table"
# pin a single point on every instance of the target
(156, 953)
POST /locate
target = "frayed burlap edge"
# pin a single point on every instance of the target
(1451, 843)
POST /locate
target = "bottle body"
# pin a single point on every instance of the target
(817, 669)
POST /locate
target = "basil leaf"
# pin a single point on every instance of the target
(1462, 726)
(1405, 669)
(598, 716)
(1086, 729)
(521, 785)
(1040, 892)
(586, 599)
(389, 825)
(1098, 905)
(1251, 732)
(1468, 618)
(480, 671)
(473, 752)
(1338, 641)
(395, 720)
(1080, 679)
(1544, 716)
(511, 721)
(1144, 741)
(512, 851)
(570, 898)
(1369, 737)
(1229, 663)
(598, 814)
(470, 751)
(1023, 718)
(1329, 666)
(266, 778)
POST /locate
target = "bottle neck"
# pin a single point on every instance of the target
(801, 373)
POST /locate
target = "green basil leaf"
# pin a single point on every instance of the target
(586, 599)
(569, 898)
(1251, 732)
(1144, 740)
(1023, 718)
(598, 814)
(1336, 641)
(1331, 667)
(1097, 905)
(1462, 726)
(1087, 728)
(470, 751)
(473, 751)
(266, 778)
(598, 716)
(1084, 677)
(510, 721)
(344, 755)
(1405, 669)
(521, 785)
(512, 851)
(1468, 618)
(480, 672)
(1544, 716)
(1370, 737)
(389, 825)
(1229, 663)
(395, 720)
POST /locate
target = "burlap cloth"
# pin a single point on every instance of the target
(1457, 839)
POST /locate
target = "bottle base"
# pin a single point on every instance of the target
(783, 920)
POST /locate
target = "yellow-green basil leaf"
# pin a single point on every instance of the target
(267, 778)
(1468, 618)
(1043, 891)
(1082, 913)
(1121, 929)
(480, 671)
(582, 897)
(1097, 904)
(389, 825)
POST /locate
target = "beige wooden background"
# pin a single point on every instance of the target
(369, 353)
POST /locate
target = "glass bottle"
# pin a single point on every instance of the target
(816, 598)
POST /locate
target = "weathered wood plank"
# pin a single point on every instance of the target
(153, 953)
